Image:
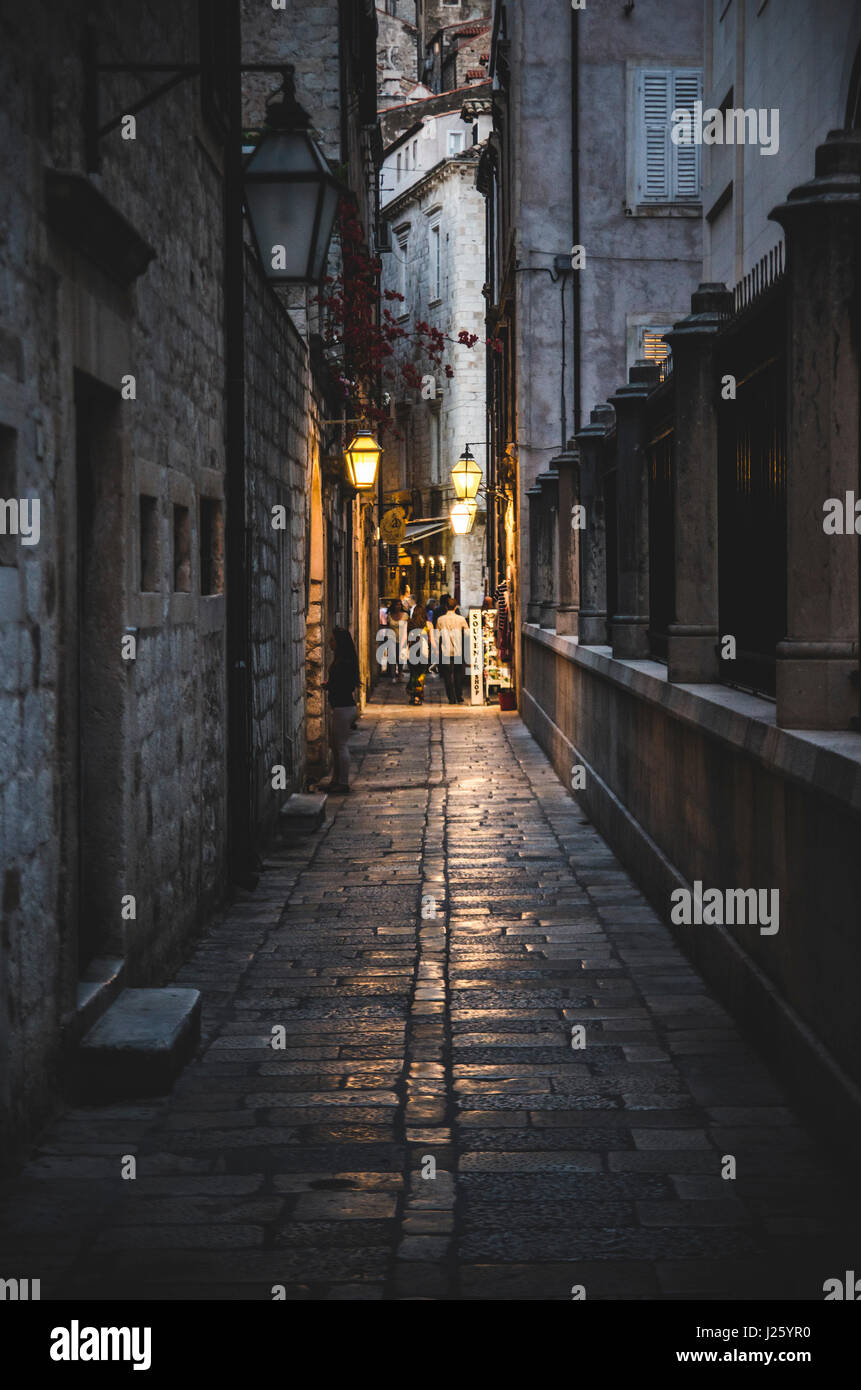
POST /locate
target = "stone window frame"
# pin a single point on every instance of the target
(636, 323)
(400, 251)
(435, 277)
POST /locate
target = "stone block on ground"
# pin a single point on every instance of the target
(303, 812)
(139, 1045)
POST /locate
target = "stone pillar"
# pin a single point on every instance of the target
(567, 466)
(692, 647)
(819, 657)
(593, 544)
(533, 607)
(629, 627)
(549, 484)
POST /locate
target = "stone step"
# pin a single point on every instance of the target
(302, 812)
(139, 1045)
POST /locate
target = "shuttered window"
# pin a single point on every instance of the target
(666, 172)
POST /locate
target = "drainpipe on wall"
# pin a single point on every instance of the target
(575, 205)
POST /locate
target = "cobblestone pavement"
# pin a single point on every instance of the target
(415, 1041)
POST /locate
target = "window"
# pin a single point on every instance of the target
(435, 263)
(666, 172)
(148, 523)
(652, 347)
(401, 260)
(415, 154)
(398, 171)
(455, 142)
(181, 549)
(435, 455)
(211, 546)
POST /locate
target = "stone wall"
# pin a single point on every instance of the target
(397, 59)
(696, 783)
(277, 444)
(306, 35)
(140, 743)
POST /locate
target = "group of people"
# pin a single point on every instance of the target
(444, 615)
(343, 679)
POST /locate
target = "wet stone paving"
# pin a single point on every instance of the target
(427, 1129)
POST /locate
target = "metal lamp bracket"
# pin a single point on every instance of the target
(94, 130)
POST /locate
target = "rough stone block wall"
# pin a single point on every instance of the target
(306, 35)
(152, 729)
(398, 68)
(277, 414)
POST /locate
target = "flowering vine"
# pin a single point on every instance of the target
(351, 301)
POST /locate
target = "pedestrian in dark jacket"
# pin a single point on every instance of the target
(341, 685)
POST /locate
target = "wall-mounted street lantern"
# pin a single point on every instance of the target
(290, 193)
(462, 516)
(362, 455)
(466, 476)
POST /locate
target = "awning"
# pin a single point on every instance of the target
(418, 530)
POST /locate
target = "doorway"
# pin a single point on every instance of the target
(100, 674)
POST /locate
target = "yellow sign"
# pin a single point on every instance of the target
(393, 527)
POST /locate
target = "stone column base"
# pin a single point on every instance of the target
(533, 610)
(692, 654)
(630, 637)
(548, 614)
(593, 629)
(815, 686)
(568, 620)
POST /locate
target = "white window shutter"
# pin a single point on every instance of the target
(654, 181)
(687, 89)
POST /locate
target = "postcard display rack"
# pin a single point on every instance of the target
(497, 674)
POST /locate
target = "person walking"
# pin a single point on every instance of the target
(418, 655)
(451, 626)
(398, 622)
(341, 684)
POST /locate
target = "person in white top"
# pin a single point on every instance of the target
(451, 626)
(397, 620)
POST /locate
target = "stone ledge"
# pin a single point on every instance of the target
(303, 812)
(139, 1046)
(828, 761)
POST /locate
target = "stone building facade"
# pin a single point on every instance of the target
(112, 415)
(760, 54)
(689, 650)
(116, 716)
(398, 53)
(436, 217)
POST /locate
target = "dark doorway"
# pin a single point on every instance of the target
(101, 674)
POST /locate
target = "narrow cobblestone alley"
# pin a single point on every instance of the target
(428, 954)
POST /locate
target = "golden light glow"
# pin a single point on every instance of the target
(466, 476)
(362, 455)
(462, 516)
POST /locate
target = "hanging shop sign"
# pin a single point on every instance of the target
(476, 658)
(393, 526)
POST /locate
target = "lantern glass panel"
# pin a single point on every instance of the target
(286, 152)
(466, 477)
(324, 234)
(284, 215)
